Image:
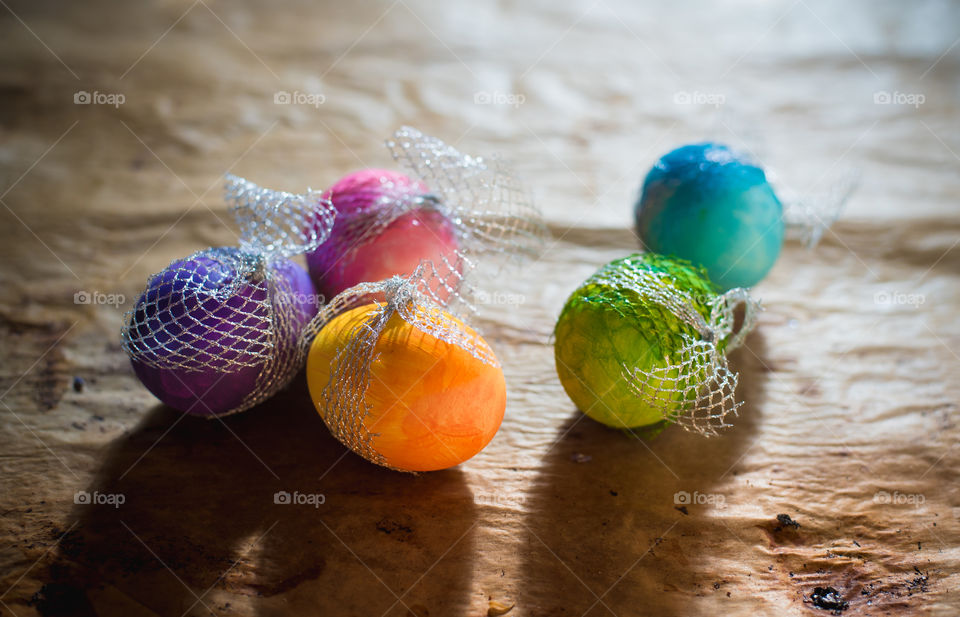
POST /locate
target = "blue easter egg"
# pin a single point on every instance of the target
(713, 206)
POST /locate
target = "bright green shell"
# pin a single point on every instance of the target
(604, 324)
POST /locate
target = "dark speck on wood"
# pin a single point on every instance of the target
(388, 526)
(828, 599)
(786, 521)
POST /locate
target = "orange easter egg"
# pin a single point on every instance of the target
(430, 404)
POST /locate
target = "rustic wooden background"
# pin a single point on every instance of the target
(850, 381)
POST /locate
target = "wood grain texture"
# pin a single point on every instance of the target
(850, 381)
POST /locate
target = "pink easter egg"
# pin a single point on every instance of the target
(421, 233)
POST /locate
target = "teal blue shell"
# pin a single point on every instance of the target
(714, 207)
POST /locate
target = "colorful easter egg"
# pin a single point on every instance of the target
(630, 315)
(386, 224)
(203, 332)
(714, 207)
(427, 404)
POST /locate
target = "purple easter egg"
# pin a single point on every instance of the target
(200, 336)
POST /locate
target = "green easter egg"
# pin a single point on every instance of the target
(608, 324)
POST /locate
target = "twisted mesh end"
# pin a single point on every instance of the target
(695, 388)
(697, 392)
(808, 217)
(277, 223)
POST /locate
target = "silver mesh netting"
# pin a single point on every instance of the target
(491, 209)
(696, 389)
(808, 216)
(276, 223)
(496, 223)
(227, 309)
(491, 212)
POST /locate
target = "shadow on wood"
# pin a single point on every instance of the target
(609, 523)
(262, 512)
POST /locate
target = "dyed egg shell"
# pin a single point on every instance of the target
(432, 404)
(179, 300)
(418, 234)
(714, 207)
(604, 327)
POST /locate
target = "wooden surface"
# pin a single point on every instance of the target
(850, 380)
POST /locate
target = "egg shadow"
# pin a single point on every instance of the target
(609, 529)
(263, 513)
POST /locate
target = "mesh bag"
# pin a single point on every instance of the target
(343, 399)
(496, 224)
(695, 387)
(491, 213)
(808, 216)
(224, 310)
(491, 209)
(698, 374)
